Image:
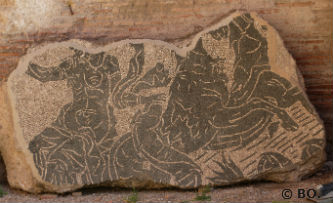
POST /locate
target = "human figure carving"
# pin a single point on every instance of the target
(74, 148)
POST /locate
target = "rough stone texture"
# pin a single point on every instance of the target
(228, 107)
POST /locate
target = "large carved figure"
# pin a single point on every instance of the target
(223, 97)
(75, 147)
(203, 112)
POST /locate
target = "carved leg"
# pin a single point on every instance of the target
(287, 122)
(227, 116)
(276, 89)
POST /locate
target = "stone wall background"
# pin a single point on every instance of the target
(304, 25)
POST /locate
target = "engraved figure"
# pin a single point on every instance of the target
(74, 149)
(211, 105)
(203, 113)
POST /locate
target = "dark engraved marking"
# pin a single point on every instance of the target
(156, 77)
(273, 160)
(317, 132)
(209, 158)
(294, 108)
(251, 163)
(272, 128)
(280, 145)
(318, 124)
(285, 148)
(202, 155)
(253, 171)
(228, 172)
(297, 136)
(257, 144)
(312, 148)
(307, 123)
(294, 152)
(246, 158)
(299, 116)
(275, 140)
(302, 138)
(207, 109)
(304, 119)
(70, 145)
(128, 163)
(297, 112)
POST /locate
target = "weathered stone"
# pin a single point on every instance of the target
(229, 107)
(3, 178)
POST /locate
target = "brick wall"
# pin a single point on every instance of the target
(304, 25)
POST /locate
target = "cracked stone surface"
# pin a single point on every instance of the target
(230, 107)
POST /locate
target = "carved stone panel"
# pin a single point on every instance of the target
(229, 107)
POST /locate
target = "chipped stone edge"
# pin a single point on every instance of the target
(275, 41)
(296, 77)
(19, 162)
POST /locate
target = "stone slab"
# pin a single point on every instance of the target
(229, 107)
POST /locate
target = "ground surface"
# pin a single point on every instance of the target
(254, 192)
